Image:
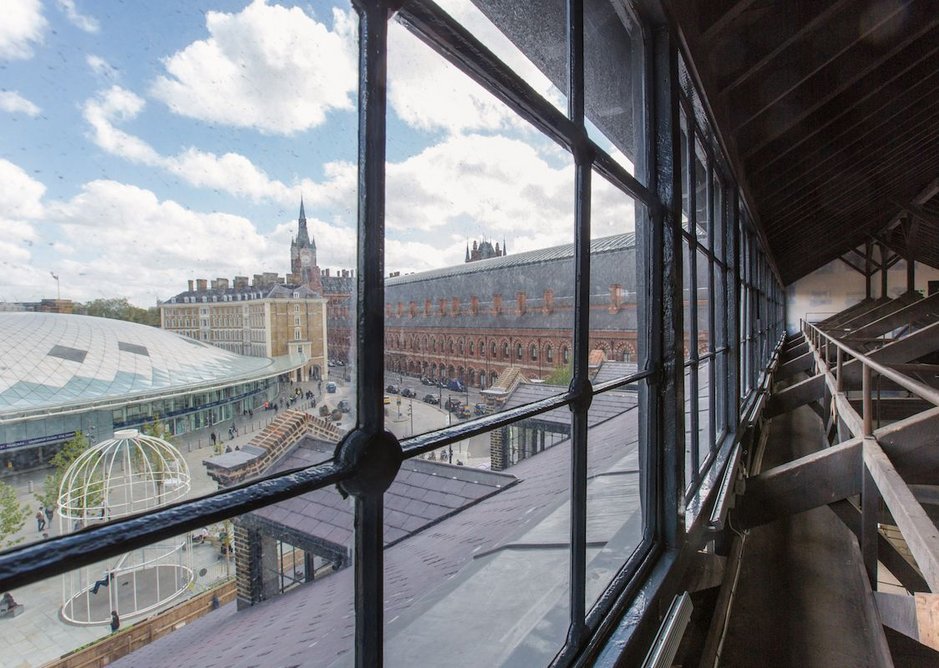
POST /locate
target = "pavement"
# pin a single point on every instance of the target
(40, 634)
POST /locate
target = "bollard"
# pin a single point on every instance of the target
(29, 486)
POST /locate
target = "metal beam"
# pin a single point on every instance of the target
(873, 314)
(887, 552)
(815, 480)
(919, 532)
(796, 395)
(916, 617)
(919, 343)
(801, 363)
(905, 315)
(913, 446)
(851, 264)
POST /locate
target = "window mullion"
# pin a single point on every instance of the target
(581, 384)
(369, 489)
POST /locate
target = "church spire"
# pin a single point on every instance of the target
(467, 252)
(303, 236)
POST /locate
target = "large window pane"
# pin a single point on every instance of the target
(479, 249)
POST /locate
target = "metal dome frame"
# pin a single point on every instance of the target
(118, 477)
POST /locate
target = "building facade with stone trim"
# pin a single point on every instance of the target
(472, 321)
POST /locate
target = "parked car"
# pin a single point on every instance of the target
(393, 389)
(408, 392)
(344, 405)
(481, 409)
(453, 405)
(427, 381)
(464, 413)
(456, 386)
(431, 399)
(331, 387)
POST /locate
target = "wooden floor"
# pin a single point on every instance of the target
(801, 593)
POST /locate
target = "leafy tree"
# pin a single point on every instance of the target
(561, 375)
(120, 309)
(13, 516)
(71, 450)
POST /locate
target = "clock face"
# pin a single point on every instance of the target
(306, 258)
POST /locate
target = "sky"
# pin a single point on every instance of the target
(144, 144)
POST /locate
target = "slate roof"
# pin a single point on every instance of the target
(313, 625)
(233, 294)
(421, 494)
(603, 407)
(532, 272)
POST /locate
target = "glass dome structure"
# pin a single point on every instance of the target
(118, 477)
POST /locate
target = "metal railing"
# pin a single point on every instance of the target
(880, 478)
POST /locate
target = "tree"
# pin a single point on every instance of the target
(13, 516)
(561, 375)
(120, 309)
(71, 450)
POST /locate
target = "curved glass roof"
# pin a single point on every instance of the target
(50, 360)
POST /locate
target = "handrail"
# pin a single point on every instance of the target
(921, 390)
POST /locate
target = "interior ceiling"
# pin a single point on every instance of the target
(830, 114)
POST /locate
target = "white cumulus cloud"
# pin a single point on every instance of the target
(15, 103)
(21, 26)
(76, 18)
(267, 67)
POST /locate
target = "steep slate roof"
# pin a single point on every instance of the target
(603, 407)
(313, 624)
(613, 261)
(422, 493)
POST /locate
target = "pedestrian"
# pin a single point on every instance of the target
(49, 512)
(115, 621)
(216, 604)
(213, 437)
(40, 520)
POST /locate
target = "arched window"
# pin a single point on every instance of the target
(565, 354)
(461, 347)
(533, 352)
(548, 354)
(518, 350)
(505, 349)
(472, 348)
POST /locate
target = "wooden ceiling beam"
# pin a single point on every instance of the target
(824, 67)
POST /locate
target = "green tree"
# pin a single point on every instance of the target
(48, 496)
(561, 375)
(118, 308)
(13, 516)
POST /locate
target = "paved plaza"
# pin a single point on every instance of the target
(39, 634)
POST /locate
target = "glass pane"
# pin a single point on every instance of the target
(685, 178)
(703, 302)
(705, 436)
(293, 555)
(614, 495)
(614, 501)
(613, 80)
(500, 558)
(163, 199)
(535, 50)
(691, 427)
(702, 222)
(472, 327)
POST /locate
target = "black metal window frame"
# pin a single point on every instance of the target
(367, 460)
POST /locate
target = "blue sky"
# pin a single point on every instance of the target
(142, 144)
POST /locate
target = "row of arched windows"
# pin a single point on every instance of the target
(499, 351)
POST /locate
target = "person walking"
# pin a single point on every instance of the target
(115, 621)
(40, 520)
(48, 511)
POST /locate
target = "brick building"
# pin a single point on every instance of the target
(474, 320)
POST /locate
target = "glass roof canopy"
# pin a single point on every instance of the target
(52, 363)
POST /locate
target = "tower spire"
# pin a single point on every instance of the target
(303, 237)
